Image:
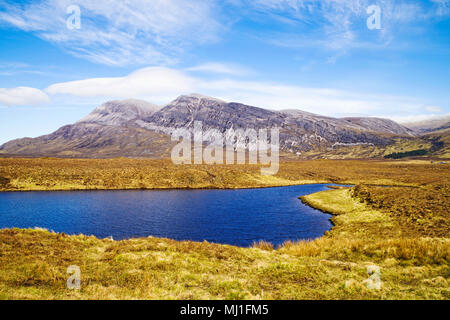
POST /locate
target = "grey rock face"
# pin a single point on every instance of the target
(120, 128)
(380, 125)
(299, 131)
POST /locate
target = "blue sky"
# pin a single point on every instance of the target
(318, 56)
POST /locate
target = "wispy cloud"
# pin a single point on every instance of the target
(22, 96)
(140, 32)
(221, 68)
(15, 68)
(340, 25)
(434, 109)
(118, 32)
(442, 7)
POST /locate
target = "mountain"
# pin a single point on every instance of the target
(428, 126)
(137, 128)
(103, 133)
(299, 131)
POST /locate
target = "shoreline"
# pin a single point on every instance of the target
(344, 184)
(337, 186)
(166, 189)
(33, 263)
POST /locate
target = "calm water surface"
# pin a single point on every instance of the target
(237, 217)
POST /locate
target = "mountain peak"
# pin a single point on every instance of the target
(195, 97)
(118, 112)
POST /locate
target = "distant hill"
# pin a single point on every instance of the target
(427, 126)
(134, 128)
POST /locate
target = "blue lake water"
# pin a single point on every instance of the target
(237, 217)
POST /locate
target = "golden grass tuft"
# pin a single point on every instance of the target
(263, 245)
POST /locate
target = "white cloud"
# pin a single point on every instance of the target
(116, 32)
(325, 101)
(419, 117)
(22, 96)
(152, 82)
(160, 85)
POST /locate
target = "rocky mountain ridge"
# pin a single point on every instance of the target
(137, 128)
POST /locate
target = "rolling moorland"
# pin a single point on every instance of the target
(395, 217)
(401, 229)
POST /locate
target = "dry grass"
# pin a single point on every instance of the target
(263, 245)
(372, 151)
(420, 211)
(82, 174)
(414, 262)
(33, 266)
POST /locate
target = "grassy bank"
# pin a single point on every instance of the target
(93, 174)
(33, 263)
